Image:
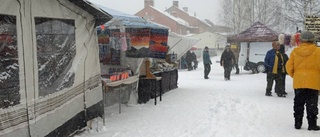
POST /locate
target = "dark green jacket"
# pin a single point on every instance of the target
(206, 57)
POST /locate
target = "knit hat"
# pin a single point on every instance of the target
(307, 36)
(281, 38)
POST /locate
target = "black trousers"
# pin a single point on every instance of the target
(237, 68)
(308, 97)
(279, 85)
(227, 71)
(207, 69)
(189, 63)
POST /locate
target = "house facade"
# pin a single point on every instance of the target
(179, 21)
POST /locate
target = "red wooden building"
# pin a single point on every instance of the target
(179, 21)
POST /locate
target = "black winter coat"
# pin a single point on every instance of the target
(227, 58)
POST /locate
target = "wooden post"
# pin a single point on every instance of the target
(148, 73)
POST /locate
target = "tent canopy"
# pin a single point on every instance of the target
(180, 45)
(258, 32)
(130, 21)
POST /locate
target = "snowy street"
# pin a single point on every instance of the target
(207, 108)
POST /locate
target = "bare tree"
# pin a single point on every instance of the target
(295, 11)
(283, 16)
(235, 14)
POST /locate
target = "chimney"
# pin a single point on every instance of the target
(148, 3)
(176, 3)
(185, 9)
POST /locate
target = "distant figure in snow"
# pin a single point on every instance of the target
(227, 61)
(206, 62)
(189, 60)
(194, 60)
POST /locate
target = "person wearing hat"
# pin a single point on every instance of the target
(275, 68)
(206, 62)
(227, 60)
(304, 67)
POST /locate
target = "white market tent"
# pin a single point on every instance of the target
(49, 73)
(180, 45)
(212, 40)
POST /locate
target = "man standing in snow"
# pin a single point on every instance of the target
(274, 64)
(304, 67)
(206, 62)
(285, 59)
(227, 60)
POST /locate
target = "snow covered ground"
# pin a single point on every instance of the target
(207, 108)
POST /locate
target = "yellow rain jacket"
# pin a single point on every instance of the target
(304, 66)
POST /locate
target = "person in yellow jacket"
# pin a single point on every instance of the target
(304, 67)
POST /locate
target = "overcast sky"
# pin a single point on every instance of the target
(204, 9)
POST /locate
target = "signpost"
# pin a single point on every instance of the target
(312, 24)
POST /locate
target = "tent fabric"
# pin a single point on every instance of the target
(211, 40)
(34, 114)
(258, 32)
(130, 21)
(180, 45)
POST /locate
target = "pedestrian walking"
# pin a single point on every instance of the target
(206, 62)
(189, 60)
(227, 61)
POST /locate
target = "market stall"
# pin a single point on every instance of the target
(126, 43)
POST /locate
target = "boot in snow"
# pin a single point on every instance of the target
(315, 128)
(297, 123)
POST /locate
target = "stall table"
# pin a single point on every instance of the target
(119, 91)
(153, 87)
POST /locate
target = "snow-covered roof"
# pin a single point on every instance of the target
(129, 20)
(258, 32)
(193, 16)
(178, 20)
(100, 15)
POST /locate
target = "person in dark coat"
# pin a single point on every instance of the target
(206, 62)
(194, 60)
(281, 40)
(284, 74)
(189, 60)
(274, 64)
(227, 60)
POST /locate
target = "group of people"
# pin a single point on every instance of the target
(227, 61)
(191, 58)
(304, 67)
